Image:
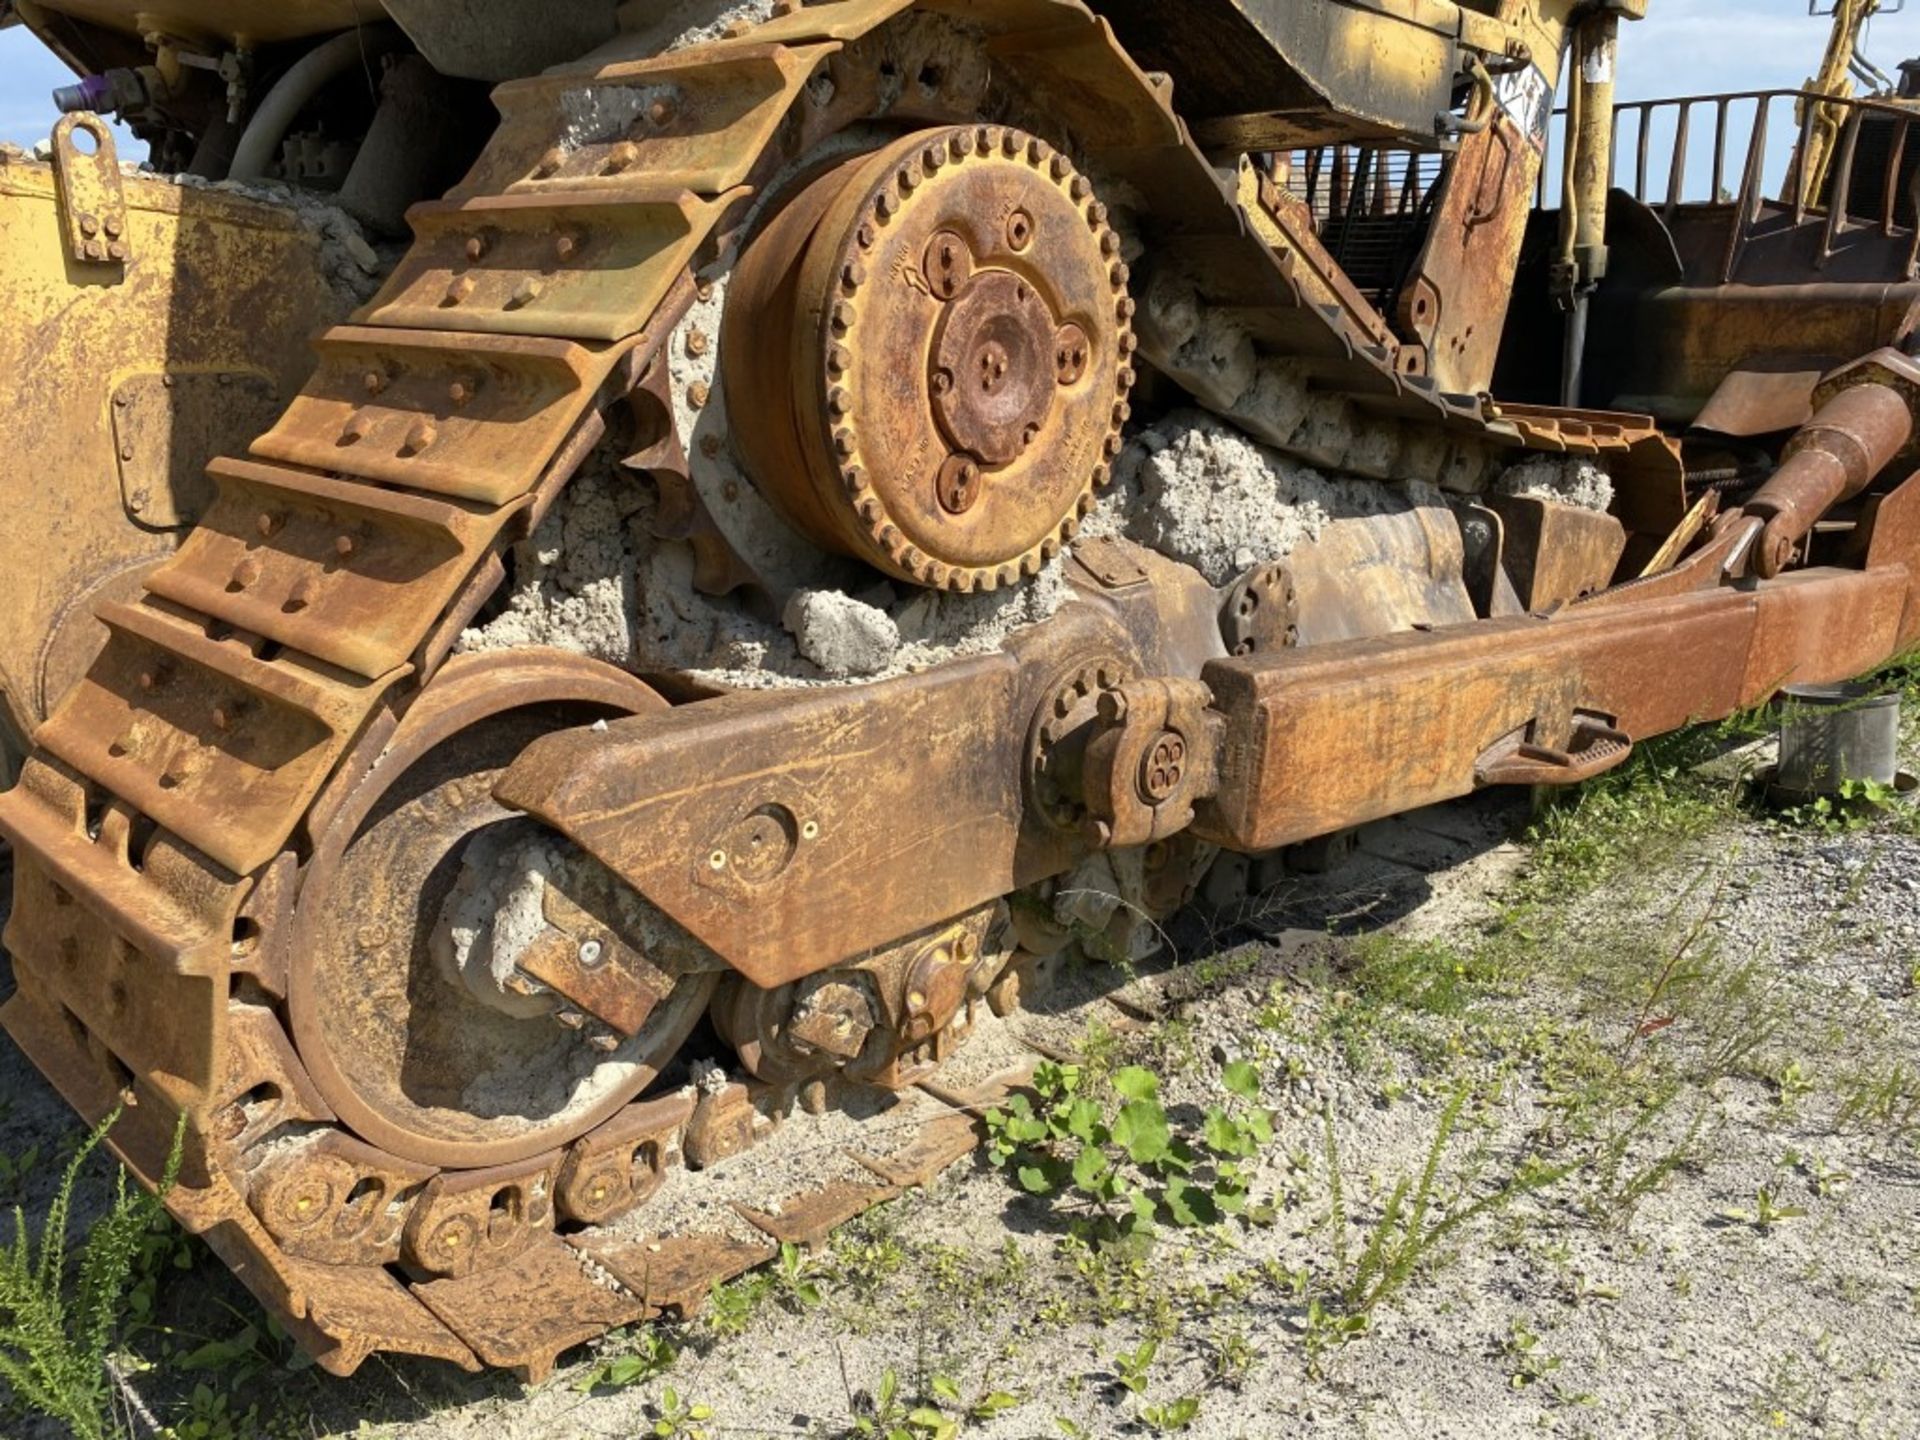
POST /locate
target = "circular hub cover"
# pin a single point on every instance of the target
(945, 326)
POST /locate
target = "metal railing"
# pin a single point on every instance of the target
(1369, 204)
(1723, 141)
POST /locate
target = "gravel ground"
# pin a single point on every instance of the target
(1722, 1038)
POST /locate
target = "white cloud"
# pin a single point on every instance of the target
(1698, 47)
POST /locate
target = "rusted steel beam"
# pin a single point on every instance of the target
(794, 829)
(1331, 736)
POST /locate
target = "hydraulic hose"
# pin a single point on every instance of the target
(295, 90)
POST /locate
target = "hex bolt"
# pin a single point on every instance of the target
(948, 265)
(958, 485)
(1071, 353)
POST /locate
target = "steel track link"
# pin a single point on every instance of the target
(161, 823)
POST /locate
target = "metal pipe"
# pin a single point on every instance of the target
(1862, 424)
(1588, 169)
(295, 90)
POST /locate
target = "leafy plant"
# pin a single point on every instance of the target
(679, 1419)
(1325, 1330)
(1130, 1367)
(888, 1415)
(1120, 1162)
(1172, 1415)
(794, 1278)
(211, 1416)
(1766, 1213)
(652, 1356)
(56, 1329)
(1527, 1365)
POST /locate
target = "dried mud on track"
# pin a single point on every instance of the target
(1687, 1101)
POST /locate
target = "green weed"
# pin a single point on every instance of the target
(652, 1355)
(1416, 1220)
(57, 1328)
(1118, 1163)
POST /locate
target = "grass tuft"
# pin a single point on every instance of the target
(58, 1321)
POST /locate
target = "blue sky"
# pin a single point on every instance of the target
(1685, 47)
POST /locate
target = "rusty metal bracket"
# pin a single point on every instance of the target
(1153, 756)
(93, 211)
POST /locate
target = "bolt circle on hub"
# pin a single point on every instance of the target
(935, 334)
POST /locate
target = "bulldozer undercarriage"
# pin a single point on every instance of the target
(424, 946)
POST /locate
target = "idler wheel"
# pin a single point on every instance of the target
(395, 1036)
(929, 349)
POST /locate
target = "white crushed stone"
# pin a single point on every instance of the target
(693, 22)
(494, 915)
(575, 586)
(844, 636)
(351, 264)
(1569, 481)
(605, 112)
(1204, 493)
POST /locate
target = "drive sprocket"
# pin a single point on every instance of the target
(938, 334)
